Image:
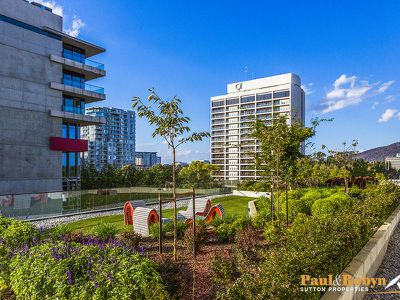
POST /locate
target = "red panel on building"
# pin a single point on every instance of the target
(68, 145)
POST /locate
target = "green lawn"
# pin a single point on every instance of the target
(233, 205)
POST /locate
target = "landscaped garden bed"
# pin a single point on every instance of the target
(237, 258)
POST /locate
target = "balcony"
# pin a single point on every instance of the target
(89, 68)
(76, 115)
(89, 92)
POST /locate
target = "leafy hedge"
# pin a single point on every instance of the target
(55, 264)
(315, 244)
(74, 271)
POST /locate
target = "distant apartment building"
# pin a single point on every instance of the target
(111, 143)
(43, 93)
(231, 147)
(147, 159)
(393, 162)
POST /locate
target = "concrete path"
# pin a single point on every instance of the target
(389, 269)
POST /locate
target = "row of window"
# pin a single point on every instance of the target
(74, 105)
(74, 79)
(74, 53)
(245, 99)
(71, 131)
(71, 164)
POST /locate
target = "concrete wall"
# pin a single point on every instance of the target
(251, 194)
(27, 13)
(26, 163)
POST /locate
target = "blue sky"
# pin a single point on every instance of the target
(346, 52)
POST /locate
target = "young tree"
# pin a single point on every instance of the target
(198, 175)
(344, 160)
(280, 147)
(172, 125)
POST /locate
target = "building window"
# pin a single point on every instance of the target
(74, 79)
(71, 164)
(74, 53)
(281, 94)
(217, 103)
(261, 97)
(64, 164)
(247, 99)
(232, 101)
(74, 105)
(65, 130)
(71, 131)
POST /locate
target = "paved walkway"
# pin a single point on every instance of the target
(389, 269)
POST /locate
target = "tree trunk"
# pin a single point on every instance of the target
(287, 203)
(174, 199)
(160, 249)
(272, 198)
(194, 222)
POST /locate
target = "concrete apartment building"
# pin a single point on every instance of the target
(265, 99)
(43, 93)
(113, 142)
(393, 162)
(145, 160)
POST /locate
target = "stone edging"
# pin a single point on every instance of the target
(368, 260)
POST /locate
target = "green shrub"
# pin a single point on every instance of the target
(274, 232)
(380, 201)
(201, 236)
(225, 233)
(168, 229)
(155, 230)
(15, 233)
(316, 245)
(355, 192)
(130, 239)
(247, 244)
(223, 270)
(180, 229)
(226, 228)
(60, 230)
(329, 206)
(105, 231)
(75, 271)
(263, 215)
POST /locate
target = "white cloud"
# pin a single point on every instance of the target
(348, 90)
(376, 103)
(385, 86)
(307, 88)
(77, 25)
(390, 98)
(387, 115)
(57, 9)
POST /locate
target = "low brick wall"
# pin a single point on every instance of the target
(368, 260)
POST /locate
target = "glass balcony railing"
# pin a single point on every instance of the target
(78, 57)
(85, 86)
(73, 109)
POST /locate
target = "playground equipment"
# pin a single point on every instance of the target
(203, 205)
(215, 211)
(142, 218)
(129, 208)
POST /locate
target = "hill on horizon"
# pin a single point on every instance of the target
(380, 153)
